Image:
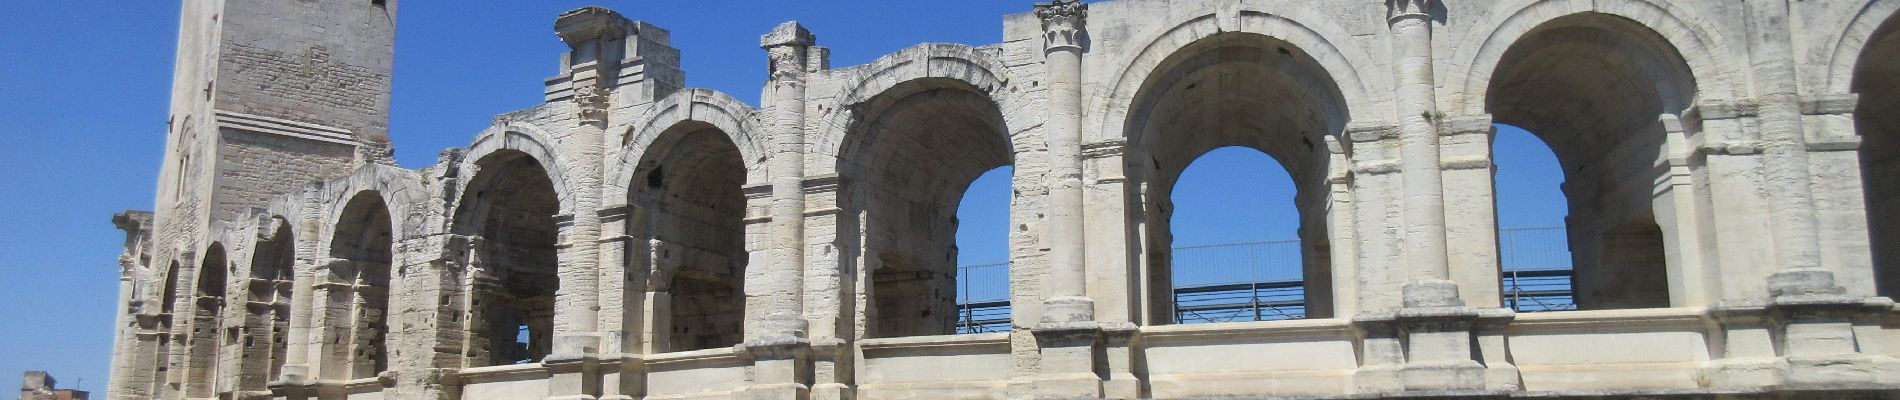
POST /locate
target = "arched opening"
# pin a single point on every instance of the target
(206, 322)
(983, 253)
(1877, 81)
(688, 191)
(363, 249)
(168, 305)
(1236, 90)
(1236, 251)
(910, 156)
(1598, 89)
(1533, 244)
(267, 309)
(510, 205)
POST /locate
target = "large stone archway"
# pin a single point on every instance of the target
(1235, 89)
(1877, 81)
(688, 233)
(1603, 92)
(916, 148)
(509, 208)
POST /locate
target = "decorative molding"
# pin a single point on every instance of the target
(284, 127)
(1062, 23)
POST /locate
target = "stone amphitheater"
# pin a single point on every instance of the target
(1732, 170)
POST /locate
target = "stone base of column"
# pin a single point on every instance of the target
(1433, 333)
(1118, 345)
(830, 365)
(1068, 360)
(572, 376)
(1817, 333)
(1066, 309)
(781, 368)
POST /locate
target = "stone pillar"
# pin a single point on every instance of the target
(1817, 316)
(1424, 191)
(1062, 23)
(1432, 326)
(786, 53)
(328, 323)
(1068, 334)
(780, 351)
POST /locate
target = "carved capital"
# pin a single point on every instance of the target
(786, 50)
(1397, 10)
(1062, 23)
(592, 104)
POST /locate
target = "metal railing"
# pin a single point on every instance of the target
(1261, 281)
(983, 298)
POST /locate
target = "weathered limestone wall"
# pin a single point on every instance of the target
(1725, 167)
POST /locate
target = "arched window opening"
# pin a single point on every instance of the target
(914, 152)
(1252, 92)
(267, 309)
(360, 284)
(1598, 89)
(1877, 81)
(168, 302)
(690, 195)
(206, 324)
(1236, 253)
(983, 253)
(510, 205)
(1533, 244)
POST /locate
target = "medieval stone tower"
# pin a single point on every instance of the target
(268, 97)
(1729, 171)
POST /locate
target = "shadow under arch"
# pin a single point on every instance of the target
(362, 249)
(1233, 89)
(267, 297)
(1605, 94)
(906, 163)
(1877, 82)
(207, 319)
(508, 210)
(688, 228)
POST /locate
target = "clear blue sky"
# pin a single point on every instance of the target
(83, 102)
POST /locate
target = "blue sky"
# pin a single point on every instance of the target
(83, 102)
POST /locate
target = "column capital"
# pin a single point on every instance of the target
(1062, 23)
(786, 50)
(1397, 10)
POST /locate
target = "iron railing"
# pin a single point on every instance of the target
(1261, 281)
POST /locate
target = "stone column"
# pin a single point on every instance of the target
(786, 49)
(124, 335)
(1817, 316)
(780, 351)
(1433, 326)
(1068, 334)
(1062, 23)
(1416, 103)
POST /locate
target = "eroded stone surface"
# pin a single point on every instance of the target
(1728, 168)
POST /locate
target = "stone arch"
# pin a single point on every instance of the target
(1349, 67)
(687, 219)
(400, 190)
(525, 139)
(692, 107)
(207, 322)
(362, 252)
(1606, 92)
(267, 297)
(975, 69)
(1876, 82)
(908, 144)
(1851, 44)
(1695, 43)
(1236, 88)
(513, 203)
